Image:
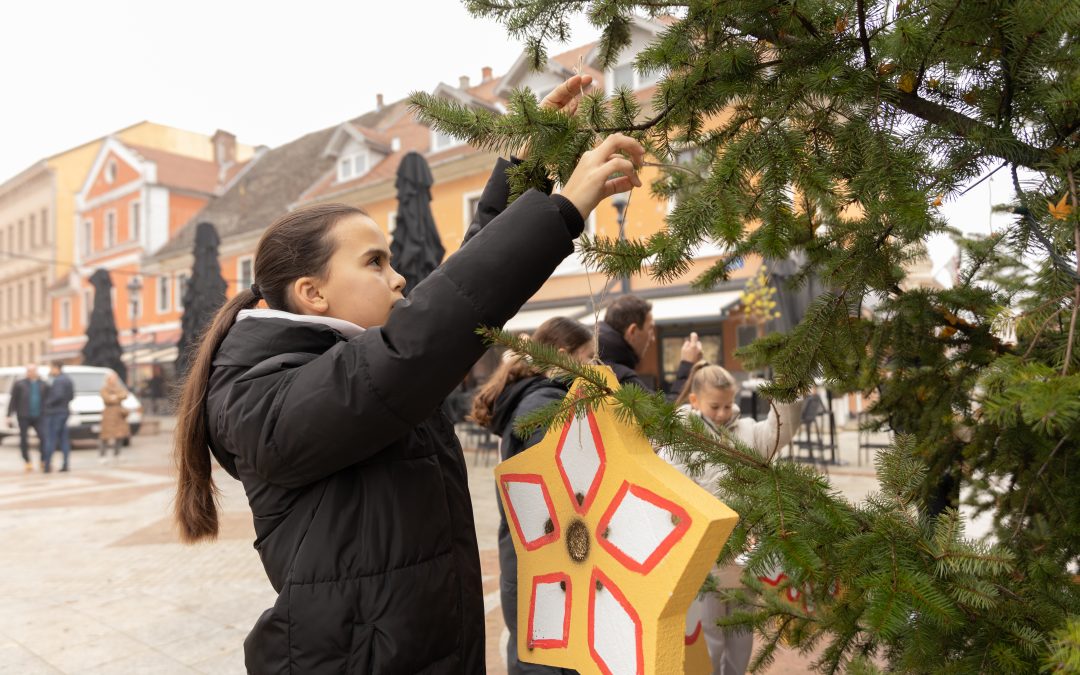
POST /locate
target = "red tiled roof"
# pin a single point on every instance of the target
(179, 171)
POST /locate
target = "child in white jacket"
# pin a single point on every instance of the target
(710, 394)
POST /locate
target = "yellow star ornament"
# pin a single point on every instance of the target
(613, 544)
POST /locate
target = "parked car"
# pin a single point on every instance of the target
(85, 409)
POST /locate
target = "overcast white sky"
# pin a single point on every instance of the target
(267, 71)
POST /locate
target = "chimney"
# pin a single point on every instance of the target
(486, 70)
(463, 82)
(378, 102)
(224, 148)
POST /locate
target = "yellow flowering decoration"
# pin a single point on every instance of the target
(613, 544)
(759, 300)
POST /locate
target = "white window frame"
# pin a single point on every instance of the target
(466, 212)
(240, 285)
(181, 279)
(65, 314)
(453, 142)
(110, 228)
(134, 309)
(135, 221)
(351, 167)
(87, 305)
(391, 222)
(164, 286)
(88, 238)
(638, 82)
(111, 171)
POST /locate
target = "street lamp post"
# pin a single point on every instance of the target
(134, 288)
(620, 201)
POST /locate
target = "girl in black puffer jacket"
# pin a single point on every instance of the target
(327, 407)
(515, 390)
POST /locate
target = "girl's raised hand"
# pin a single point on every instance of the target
(592, 180)
(565, 96)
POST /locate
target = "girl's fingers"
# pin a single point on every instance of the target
(620, 164)
(615, 185)
(617, 143)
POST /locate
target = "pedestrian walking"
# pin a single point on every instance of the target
(114, 427)
(327, 407)
(513, 391)
(57, 408)
(27, 406)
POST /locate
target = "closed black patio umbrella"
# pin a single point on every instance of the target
(416, 248)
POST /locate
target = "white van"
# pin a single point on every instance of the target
(86, 408)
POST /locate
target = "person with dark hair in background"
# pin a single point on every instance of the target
(626, 333)
(57, 402)
(27, 405)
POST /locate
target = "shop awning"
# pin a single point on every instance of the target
(693, 307)
(532, 318)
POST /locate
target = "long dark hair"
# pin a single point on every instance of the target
(297, 245)
(558, 332)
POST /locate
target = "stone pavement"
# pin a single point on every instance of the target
(94, 580)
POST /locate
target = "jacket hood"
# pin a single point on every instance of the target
(512, 396)
(615, 349)
(258, 338)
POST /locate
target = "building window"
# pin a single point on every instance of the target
(22, 236)
(626, 76)
(44, 226)
(244, 274)
(442, 141)
(19, 301)
(44, 296)
(164, 294)
(19, 354)
(181, 289)
(31, 296)
(110, 172)
(110, 229)
(87, 305)
(33, 231)
(65, 314)
(353, 166)
(135, 221)
(87, 237)
(470, 203)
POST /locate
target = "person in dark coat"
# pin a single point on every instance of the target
(57, 408)
(513, 391)
(626, 333)
(27, 406)
(327, 407)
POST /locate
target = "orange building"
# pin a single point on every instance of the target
(133, 201)
(356, 161)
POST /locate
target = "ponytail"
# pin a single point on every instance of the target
(195, 508)
(704, 374)
(559, 332)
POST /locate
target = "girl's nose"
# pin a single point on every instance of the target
(398, 282)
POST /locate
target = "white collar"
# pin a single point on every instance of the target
(346, 328)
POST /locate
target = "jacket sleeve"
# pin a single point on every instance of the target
(296, 425)
(681, 376)
(763, 436)
(13, 400)
(494, 198)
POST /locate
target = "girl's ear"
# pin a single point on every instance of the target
(693, 400)
(308, 297)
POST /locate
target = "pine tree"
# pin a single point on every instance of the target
(205, 294)
(102, 346)
(837, 129)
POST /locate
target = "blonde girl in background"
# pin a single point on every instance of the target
(710, 393)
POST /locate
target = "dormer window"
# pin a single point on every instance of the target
(442, 141)
(352, 166)
(626, 75)
(110, 172)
